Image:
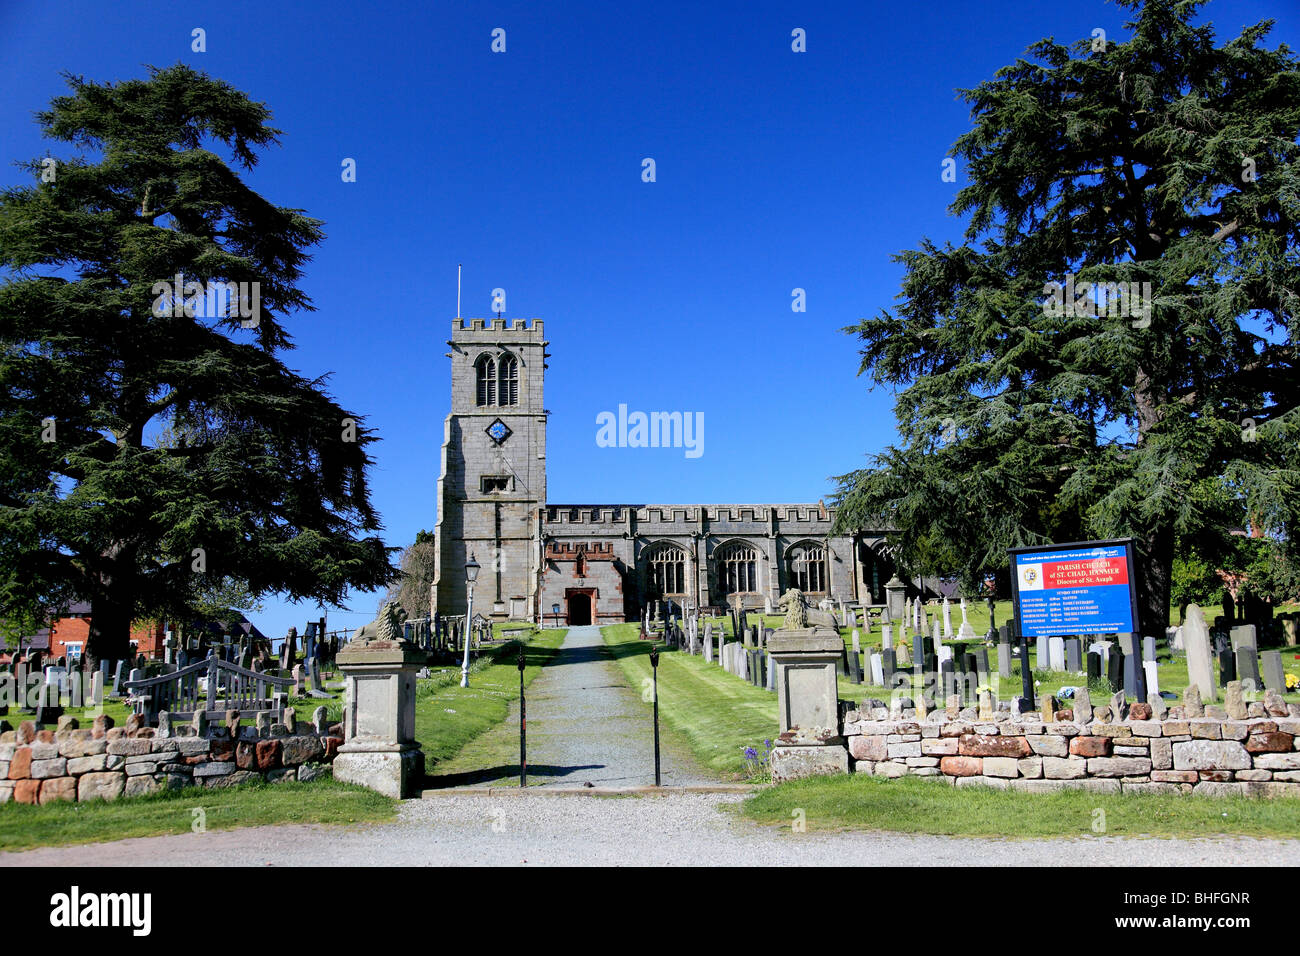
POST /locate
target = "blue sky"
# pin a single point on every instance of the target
(775, 170)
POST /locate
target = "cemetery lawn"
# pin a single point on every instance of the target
(919, 805)
(718, 715)
(170, 812)
(448, 716)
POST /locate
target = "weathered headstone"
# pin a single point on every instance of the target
(1004, 660)
(1243, 635)
(877, 662)
(1274, 676)
(1115, 668)
(1055, 654)
(1227, 667)
(1248, 667)
(1151, 668)
(1200, 668)
(1148, 648)
(886, 636)
(1074, 655)
(947, 619)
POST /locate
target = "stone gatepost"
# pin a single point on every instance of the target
(379, 749)
(809, 741)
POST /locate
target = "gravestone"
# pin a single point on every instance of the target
(771, 672)
(117, 678)
(1132, 650)
(966, 630)
(1074, 655)
(708, 643)
(1243, 635)
(887, 636)
(317, 685)
(298, 681)
(48, 708)
(878, 673)
(1274, 676)
(1115, 669)
(947, 619)
(1004, 660)
(1150, 670)
(1248, 667)
(1200, 667)
(888, 665)
(1148, 648)
(857, 641)
(1227, 667)
(855, 666)
(1102, 649)
(1055, 654)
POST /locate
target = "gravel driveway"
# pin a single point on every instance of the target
(673, 828)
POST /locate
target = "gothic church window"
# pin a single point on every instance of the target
(808, 568)
(737, 569)
(667, 570)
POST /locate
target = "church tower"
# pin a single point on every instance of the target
(492, 487)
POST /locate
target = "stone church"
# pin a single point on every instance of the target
(601, 563)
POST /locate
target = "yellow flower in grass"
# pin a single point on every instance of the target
(1292, 682)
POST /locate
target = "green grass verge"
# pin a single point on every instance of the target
(716, 714)
(919, 805)
(448, 716)
(170, 812)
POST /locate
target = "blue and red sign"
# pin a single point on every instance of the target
(1073, 589)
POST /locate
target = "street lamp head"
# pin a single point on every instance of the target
(555, 609)
(471, 569)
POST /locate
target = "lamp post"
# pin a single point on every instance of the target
(555, 615)
(471, 575)
(654, 670)
(523, 722)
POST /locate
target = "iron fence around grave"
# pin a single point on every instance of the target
(229, 687)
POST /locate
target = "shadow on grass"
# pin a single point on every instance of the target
(508, 772)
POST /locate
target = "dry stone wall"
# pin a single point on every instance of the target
(1200, 754)
(104, 762)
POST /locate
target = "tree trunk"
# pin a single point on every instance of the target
(1154, 561)
(110, 634)
(1154, 565)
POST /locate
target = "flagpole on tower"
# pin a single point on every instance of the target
(458, 290)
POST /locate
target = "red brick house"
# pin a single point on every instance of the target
(67, 635)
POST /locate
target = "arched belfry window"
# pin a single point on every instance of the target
(737, 566)
(807, 564)
(485, 378)
(666, 568)
(508, 379)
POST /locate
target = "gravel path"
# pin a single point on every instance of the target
(672, 828)
(585, 725)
